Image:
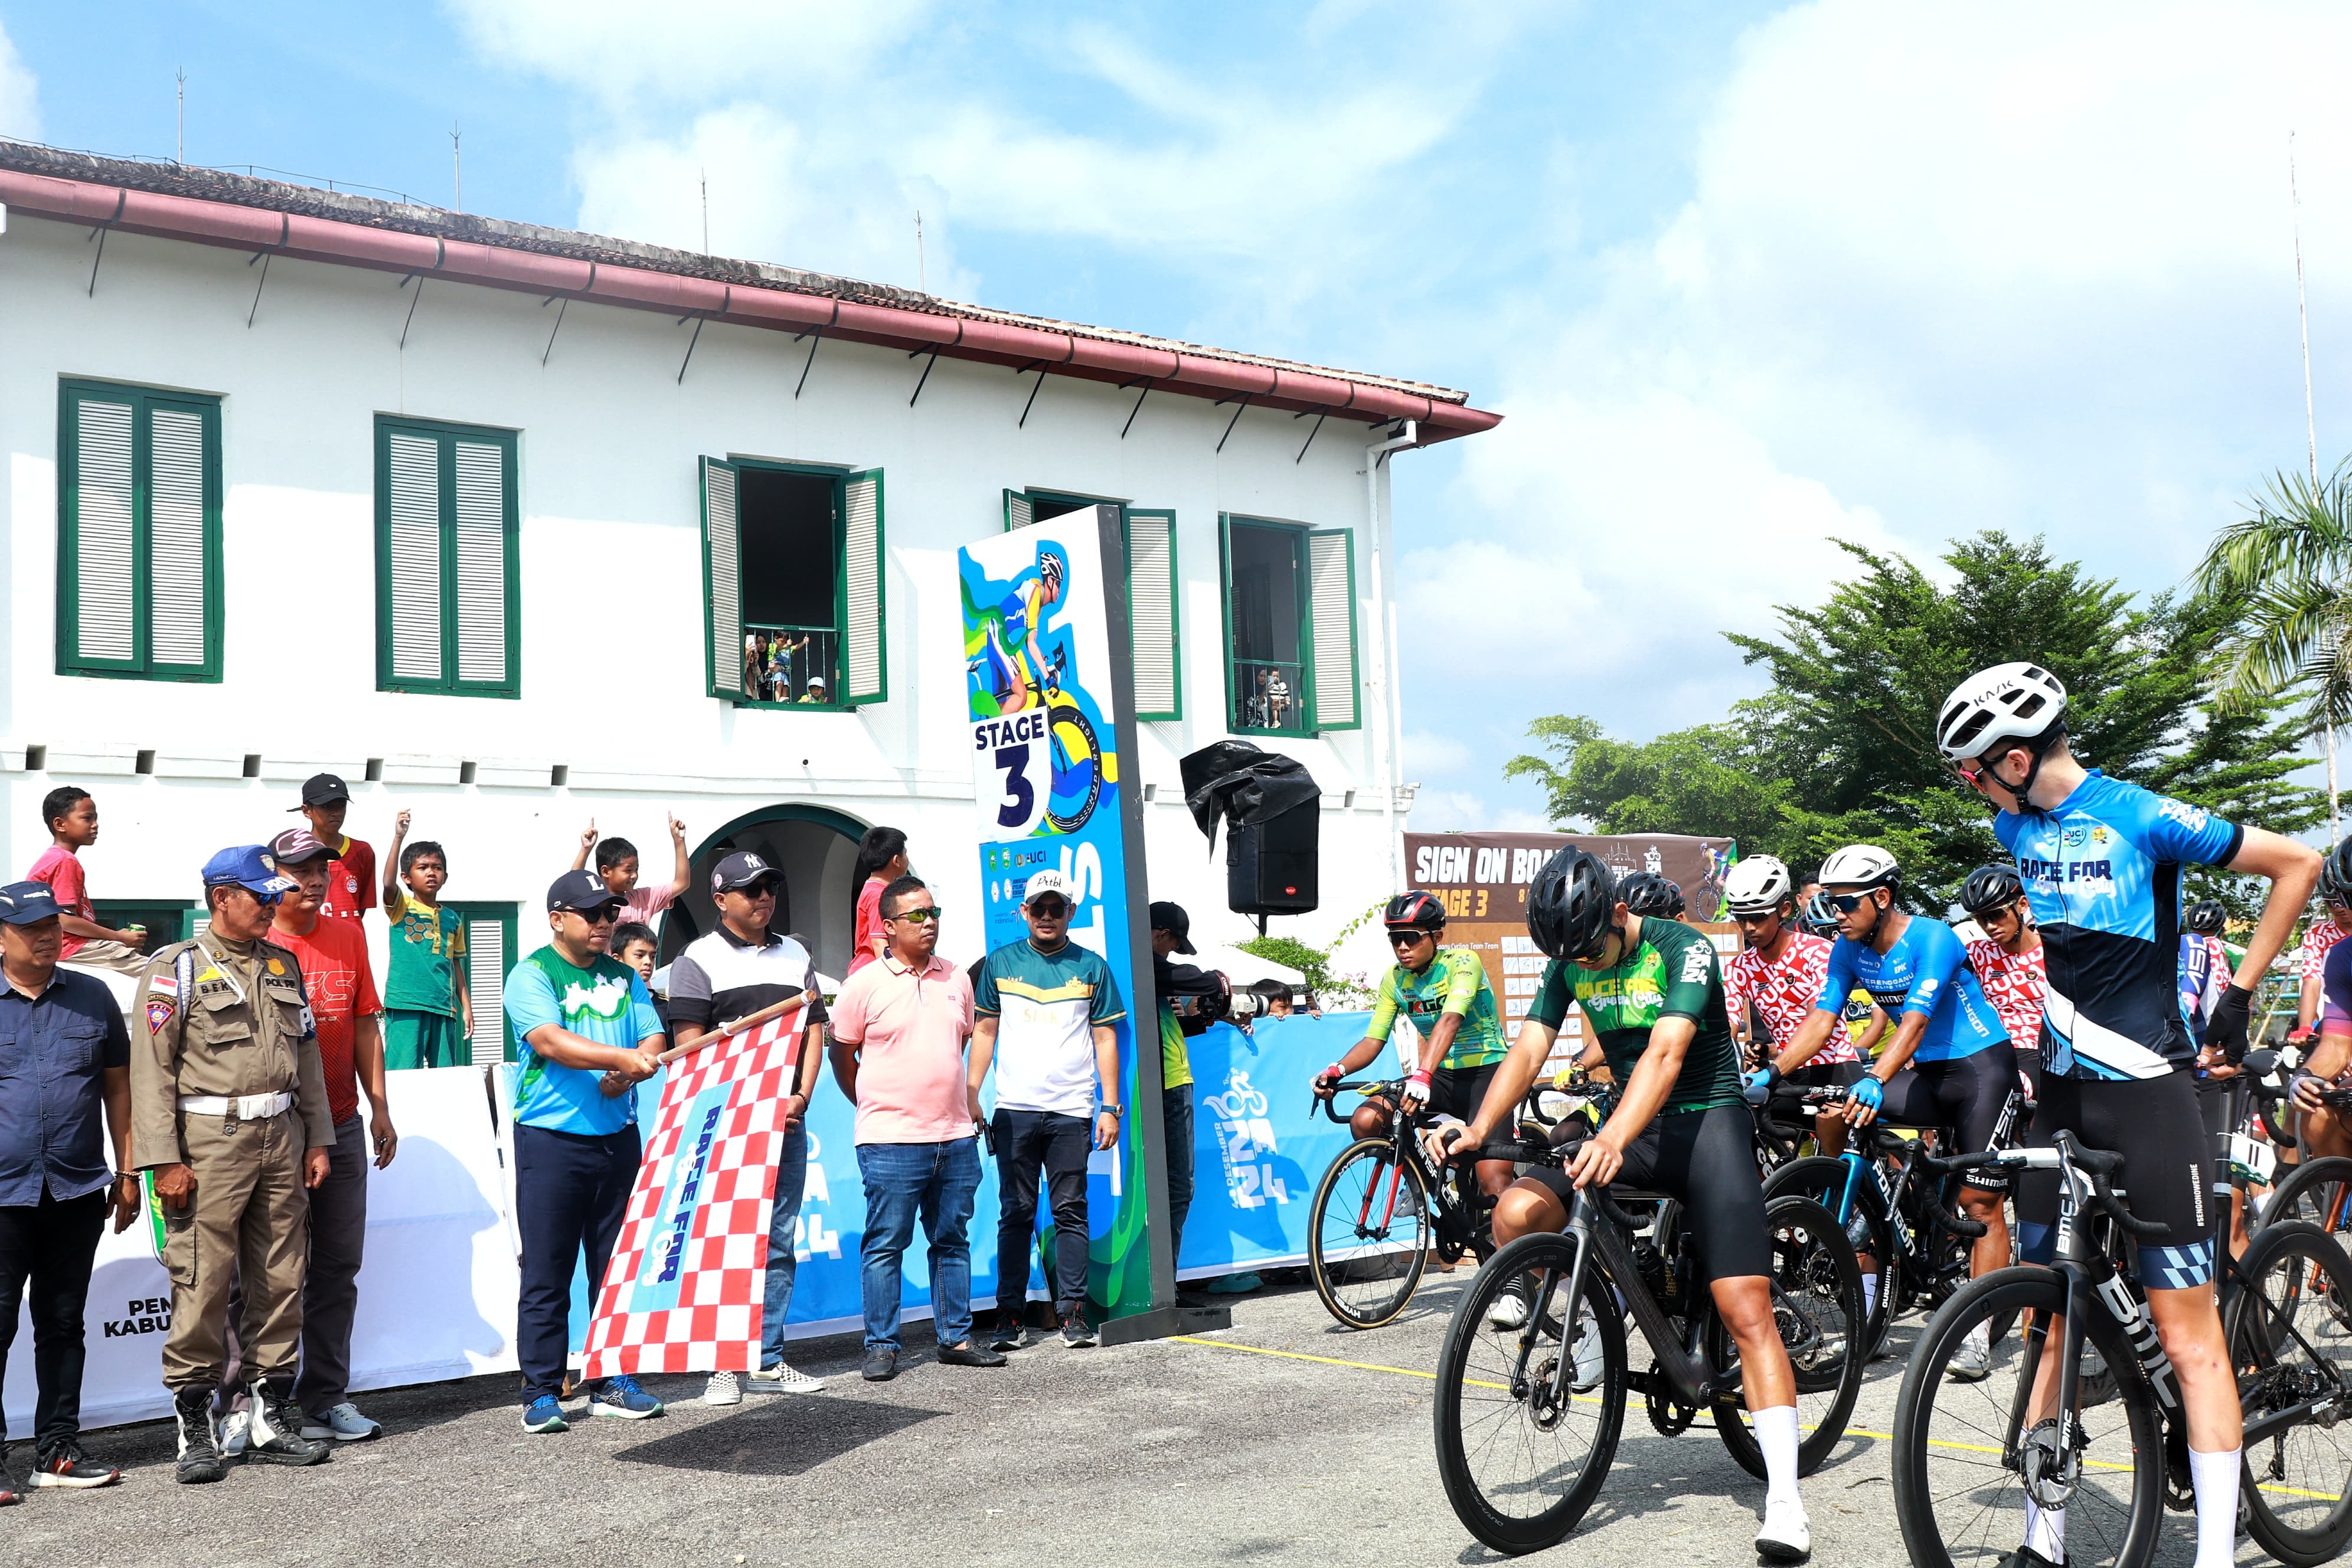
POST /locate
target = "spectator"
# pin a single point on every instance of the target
(350, 886)
(1057, 1044)
(428, 1009)
(617, 863)
(71, 816)
(1277, 699)
(881, 860)
(730, 974)
(1277, 998)
(346, 1013)
(63, 1032)
(899, 1032)
(577, 1016)
(1171, 933)
(815, 692)
(635, 946)
(1255, 713)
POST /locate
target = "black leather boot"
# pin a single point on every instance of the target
(200, 1454)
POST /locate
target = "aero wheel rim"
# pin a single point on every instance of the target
(2290, 1347)
(1523, 1449)
(1371, 1232)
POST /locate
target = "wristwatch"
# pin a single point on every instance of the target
(1108, 1110)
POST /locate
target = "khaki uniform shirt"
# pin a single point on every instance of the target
(210, 1020)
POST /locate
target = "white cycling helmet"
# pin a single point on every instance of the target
(1860, 866)
(1758, 885)
(2007, 703)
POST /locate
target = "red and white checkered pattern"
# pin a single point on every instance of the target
(716, 1324)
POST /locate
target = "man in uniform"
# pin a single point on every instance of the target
(228, 1109)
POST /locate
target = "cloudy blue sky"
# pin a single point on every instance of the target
(1742, 277)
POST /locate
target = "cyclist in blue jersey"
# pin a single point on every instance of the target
(1949, 1064)
(1016, 671)
(2101, 862)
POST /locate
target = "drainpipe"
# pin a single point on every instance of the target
(1393, 728)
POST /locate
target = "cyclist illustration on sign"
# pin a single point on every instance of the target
(1015, 662)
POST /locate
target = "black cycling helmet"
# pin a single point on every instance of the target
(1647, 893)
(1415, 910)
(2336, 875)
(1990, 888)
(2205, 917)
(1571, 904)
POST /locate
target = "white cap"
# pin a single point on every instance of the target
(1048, 881)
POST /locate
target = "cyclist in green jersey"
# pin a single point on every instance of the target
(1444, 991)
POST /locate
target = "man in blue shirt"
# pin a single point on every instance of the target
(580, 1017)
(64, 1055)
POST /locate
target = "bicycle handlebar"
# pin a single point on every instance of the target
(1329, 1103)
(2099, 1165)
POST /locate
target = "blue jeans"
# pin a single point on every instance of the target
(940, 1181)
(792, 1176)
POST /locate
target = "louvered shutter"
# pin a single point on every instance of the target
(413, 558)
(1151, 615)
(1226, 600)
(177, 578)
(480, 548)
(490, 953)
(722, 583)
(866, 658)
(1018, 513)
(1331, 597)
(102, 536)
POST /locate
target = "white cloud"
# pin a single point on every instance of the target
(20, 110)
(696, 50)
(1469, 810)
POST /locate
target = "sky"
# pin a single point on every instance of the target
(1742, 278)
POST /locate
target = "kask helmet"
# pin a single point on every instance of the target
(2336, 875)
(1571, 904)
(1647, 893)
(2008, 702)
(1758, 885)
(1050, 567)
(1414, 911)
(2205, 917)
(1861, 865)
(1990, 888)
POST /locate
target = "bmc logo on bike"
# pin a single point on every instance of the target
(1246, 1142)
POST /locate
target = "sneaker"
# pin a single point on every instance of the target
(341, 1424)
(2026, 1557)
(722, 1389)
(1233, 1285)
(1077, 1332)
(781, 1379)
(1786, 1537)
(1972, 1362)
(619, 1396)
(881, 1365)
(1510, 1308)
(199, 1445)
(274, 1433)
(9, 1494)
(65, 1465)
(545, 1413)
(1011, 1332)
(235, 1429)
(1591, 1356)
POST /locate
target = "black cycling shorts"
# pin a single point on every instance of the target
(2167, 1176)
(1975, 1096)
(1460, 1091)
(1705, 1159)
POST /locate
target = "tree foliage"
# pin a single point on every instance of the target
(1840, 750)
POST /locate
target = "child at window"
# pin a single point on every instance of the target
(428, 1014)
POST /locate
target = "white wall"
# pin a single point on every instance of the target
(613, 664)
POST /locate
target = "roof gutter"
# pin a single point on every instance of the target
(205, 222)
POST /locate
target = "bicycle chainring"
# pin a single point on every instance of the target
(1670, 1415)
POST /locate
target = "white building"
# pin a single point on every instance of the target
(298, 481)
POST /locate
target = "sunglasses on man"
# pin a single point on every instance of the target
(926, 914)
(1048, 907)
(603, 915)
(1846, 903)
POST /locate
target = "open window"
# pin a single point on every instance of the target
(793, 585)
(1290, 627)
(1149, 534)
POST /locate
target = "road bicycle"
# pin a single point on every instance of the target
(1528, 1418)
(1968, 1455)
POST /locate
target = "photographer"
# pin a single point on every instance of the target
(1190, 999)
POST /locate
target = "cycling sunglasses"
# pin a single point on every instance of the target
(1409, 938)
(1846, 903)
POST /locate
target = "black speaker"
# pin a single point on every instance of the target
(1270, 865)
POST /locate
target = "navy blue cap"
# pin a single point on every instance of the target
(740, 870)
(581, 890)
(249, 866)
(22, 903)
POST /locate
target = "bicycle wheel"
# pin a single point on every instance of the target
(2318, 1192)
(1822, 1179)
(2290, 1342)
(1520, 1466)
(1368, 1234)
(1817, 1305)
(1960, 1494)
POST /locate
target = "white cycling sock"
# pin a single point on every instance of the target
(2216, 1480)
(1776, 1434)
(2045, 1531)
(1869, 1294)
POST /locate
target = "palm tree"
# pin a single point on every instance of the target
(2289, 569)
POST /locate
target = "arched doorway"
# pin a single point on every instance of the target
(816, 850)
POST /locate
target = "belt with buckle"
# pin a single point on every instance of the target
(238, 1107)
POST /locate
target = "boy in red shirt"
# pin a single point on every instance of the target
(351, 884)
(71, 816)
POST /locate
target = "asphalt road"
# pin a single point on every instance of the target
(1166, 1452)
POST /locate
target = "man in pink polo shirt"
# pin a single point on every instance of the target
(898, 1030)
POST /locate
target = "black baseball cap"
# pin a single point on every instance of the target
(323, 789)
(581, 891)
(22, 903)
(1171, 919)
(742, 870)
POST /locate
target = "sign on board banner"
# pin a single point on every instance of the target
(1482, 880)
(1038, 669)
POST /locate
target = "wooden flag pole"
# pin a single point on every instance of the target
(728, 1031)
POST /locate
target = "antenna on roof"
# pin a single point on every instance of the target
(180, 133)
(705, 175)
(458, 165)
(920, 281)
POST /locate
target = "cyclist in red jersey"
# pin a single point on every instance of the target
(1779, 971)
(2009, 963)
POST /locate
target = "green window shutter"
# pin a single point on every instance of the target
(1017, 510)
(139, 513)
(410, 566)
(866, 658)
(722, 586)
(481, 564)
(1151, 615)
(1331, 608)
(103, 534)
(1225, 601)
(489, 954)
(447, 559)
(180, 581)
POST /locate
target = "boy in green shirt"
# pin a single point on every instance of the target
(428, 1015)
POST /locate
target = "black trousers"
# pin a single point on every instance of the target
(1176, 1111)
(1029, 1141)
(50, 1244)
(572, 1192)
